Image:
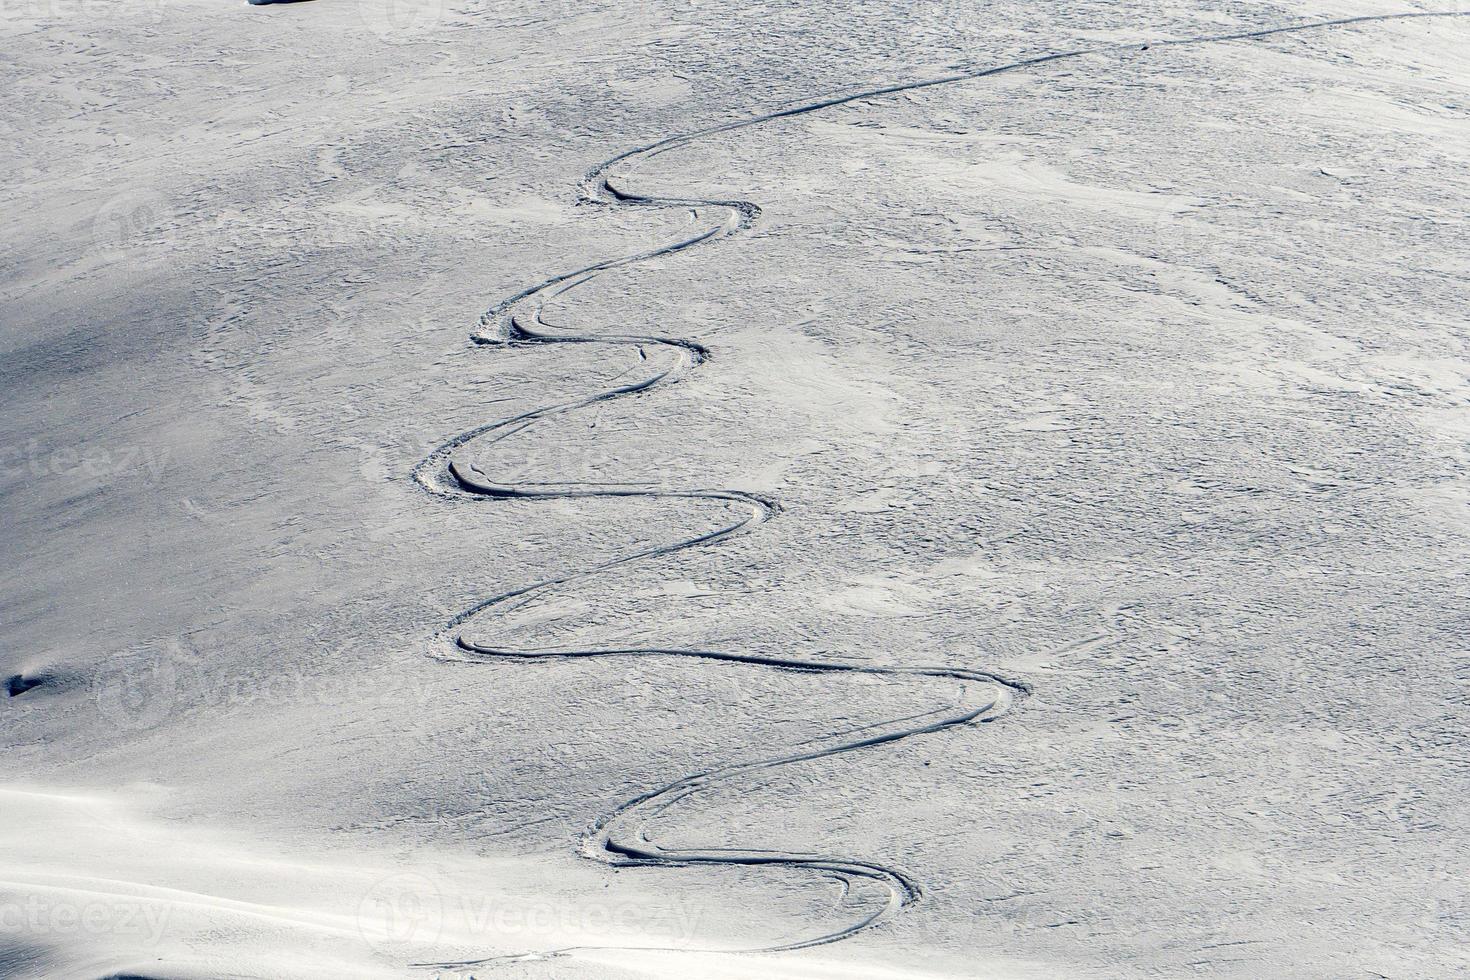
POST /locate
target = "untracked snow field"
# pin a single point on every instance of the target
(668, 489)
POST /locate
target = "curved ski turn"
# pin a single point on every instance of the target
(620, 836)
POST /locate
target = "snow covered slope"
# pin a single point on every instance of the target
(1009, 526)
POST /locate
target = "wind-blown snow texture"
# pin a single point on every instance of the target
(1123, 364)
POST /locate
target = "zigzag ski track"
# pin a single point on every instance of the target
(619, 837)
